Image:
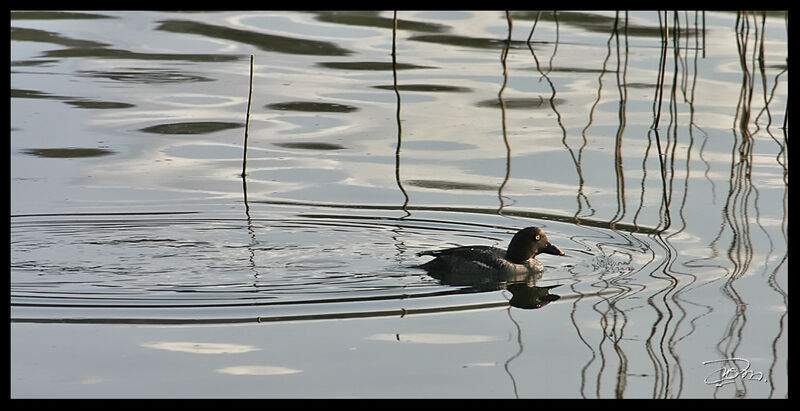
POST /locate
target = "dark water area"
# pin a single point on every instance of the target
(652, 148)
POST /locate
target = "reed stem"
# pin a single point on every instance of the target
(247, 120)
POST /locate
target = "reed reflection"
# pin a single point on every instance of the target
(503, 57)
(669, 298)
(742, 200)
(639, 260)
(676, 311)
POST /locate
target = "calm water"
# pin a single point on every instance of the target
(651, 148)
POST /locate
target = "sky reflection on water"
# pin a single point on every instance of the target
(657, 159)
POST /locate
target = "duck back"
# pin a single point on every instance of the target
(476, 260)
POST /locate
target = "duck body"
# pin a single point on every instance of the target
(492, 262)
(477, 260)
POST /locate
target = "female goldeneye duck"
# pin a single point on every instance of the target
(483, 260)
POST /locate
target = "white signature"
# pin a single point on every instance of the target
(728, 375)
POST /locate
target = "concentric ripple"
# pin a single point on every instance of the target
(188, 268)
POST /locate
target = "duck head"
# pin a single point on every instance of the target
(529, 242)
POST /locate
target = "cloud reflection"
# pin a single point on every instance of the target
(201, 348)
(257, 370)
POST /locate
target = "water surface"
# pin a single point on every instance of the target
(651, 147)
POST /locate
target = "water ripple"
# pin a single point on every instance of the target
(191, 268)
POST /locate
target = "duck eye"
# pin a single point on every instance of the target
(538, 237)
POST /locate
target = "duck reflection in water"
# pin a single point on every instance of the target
(485, 268)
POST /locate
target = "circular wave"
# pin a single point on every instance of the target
(190, 268)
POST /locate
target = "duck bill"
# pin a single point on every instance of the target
(551, 249)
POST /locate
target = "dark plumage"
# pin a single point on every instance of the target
(493, 261)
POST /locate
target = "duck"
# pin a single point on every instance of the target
(492, 262)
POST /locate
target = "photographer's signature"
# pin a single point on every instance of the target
(739, 368)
